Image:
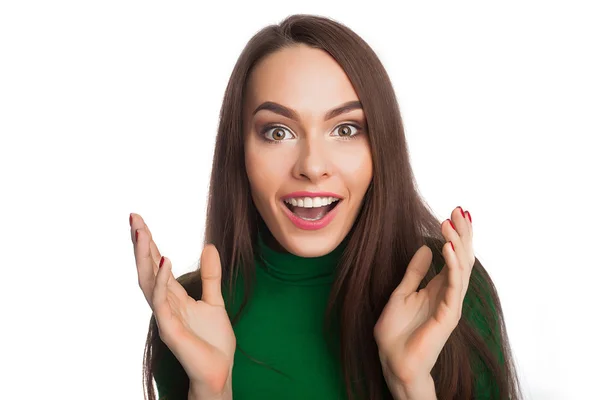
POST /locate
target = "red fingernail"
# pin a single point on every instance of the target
(452, 225)
(452, 246)
(162, 260)
(469, 215)
(461, 211)
(130, 219)
(136, 235)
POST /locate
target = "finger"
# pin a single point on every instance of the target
(153, 247)
(163, 311)
(173, 284)
(451, 235)
(134, 223)
(460, 222)
(175, 287)
(154, 250)
(469, 222)
(463, 245)
(464, 229)
(160, 306)
(210, 273)
(469, 245)
(454, 294)
(145, 265)
(415, 272)
(137, 222)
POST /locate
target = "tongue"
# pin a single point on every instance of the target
(310, 213)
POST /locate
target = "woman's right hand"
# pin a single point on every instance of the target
(198, 332)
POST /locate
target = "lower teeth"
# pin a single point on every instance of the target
(321, 215)
(311, 219)
(323, 212)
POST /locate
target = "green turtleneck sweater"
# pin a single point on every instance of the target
(281, 328)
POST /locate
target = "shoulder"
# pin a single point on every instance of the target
(481, 305)
(482, 312)
(171, 379)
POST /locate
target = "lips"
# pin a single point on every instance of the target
(310, 224)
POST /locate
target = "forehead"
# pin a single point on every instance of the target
(306, 79)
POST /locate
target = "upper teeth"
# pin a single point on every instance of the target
(310, 202)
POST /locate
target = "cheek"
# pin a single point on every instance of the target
(265, 172)
(355, 165)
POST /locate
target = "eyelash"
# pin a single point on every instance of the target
(269, 127)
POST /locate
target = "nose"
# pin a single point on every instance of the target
(313, 162)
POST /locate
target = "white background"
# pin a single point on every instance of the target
(111, 107)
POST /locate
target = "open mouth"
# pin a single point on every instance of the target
(311, 213)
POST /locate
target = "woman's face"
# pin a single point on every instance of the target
(308, 165)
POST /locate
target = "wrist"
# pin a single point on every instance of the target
(198, 391)
(421, 390)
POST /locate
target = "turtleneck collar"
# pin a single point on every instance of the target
(289, 268)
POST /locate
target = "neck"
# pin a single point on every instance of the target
(289, 268)
(273, 243)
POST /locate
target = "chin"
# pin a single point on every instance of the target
(307, 240)
(309, 243)
(310, 246)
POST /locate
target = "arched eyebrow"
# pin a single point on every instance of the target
(292, 114)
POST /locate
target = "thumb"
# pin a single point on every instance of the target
(415, 272)
(210, 273)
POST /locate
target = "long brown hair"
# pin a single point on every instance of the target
(393, 223)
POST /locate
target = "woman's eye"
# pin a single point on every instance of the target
(277, 133)
(345, 130)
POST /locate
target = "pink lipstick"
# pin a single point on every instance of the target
(316, 221)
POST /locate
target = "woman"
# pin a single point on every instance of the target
(326, 276)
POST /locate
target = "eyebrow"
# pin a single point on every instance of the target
(291, 114)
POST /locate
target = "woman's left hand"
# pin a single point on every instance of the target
(414, 326)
